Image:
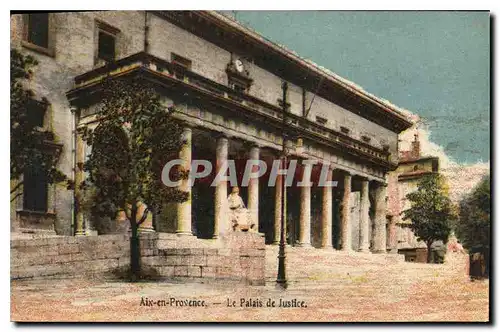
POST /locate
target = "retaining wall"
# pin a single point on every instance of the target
(236, 257)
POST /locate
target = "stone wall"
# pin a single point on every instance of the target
(238, 257)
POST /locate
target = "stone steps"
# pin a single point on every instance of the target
(354, 270)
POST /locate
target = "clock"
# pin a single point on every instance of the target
(238, 64)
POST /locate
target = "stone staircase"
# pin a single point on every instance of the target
(353, 272)
(311, 264)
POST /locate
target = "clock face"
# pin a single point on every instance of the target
(238, 65)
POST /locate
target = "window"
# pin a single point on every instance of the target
(37, 33)
(366, 139)
(181, 61)
(35, 190)
(106, 42)
(106, 48)
(36, 113)
(344, 130)
(181, 65)
(38, 29)
(321, 120)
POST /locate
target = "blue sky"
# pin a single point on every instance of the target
(435, 64)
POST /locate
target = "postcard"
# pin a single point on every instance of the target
(250, 166)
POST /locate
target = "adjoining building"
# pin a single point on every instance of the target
(404, 180)
(226, 82)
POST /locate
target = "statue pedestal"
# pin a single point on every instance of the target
(243, 240)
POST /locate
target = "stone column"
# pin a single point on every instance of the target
(393, 236)
(305, 216)
(379, 239)
(346, 214)
(220, 215)
(184, 208)
(364, 218)
(80, 158)
(147, 224)
(253, 190)
(277, 209)
(326, 214)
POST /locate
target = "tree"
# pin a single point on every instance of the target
(474, 223)
(431, 212)
(28, 142)
(136, 135)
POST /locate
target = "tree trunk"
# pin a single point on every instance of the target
(135, 256)
(486, 257)
(429, 252)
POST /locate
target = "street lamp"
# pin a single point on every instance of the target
(281, 279)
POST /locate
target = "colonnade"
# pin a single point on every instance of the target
(184, 210)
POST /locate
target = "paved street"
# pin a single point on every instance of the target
(324, 286)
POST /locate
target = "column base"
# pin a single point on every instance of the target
(80, 233)
(145, 230)
(277, 244)
(180, 233)
(382, 251)
(327, 247)
(304, 245)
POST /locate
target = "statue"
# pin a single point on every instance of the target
(239, 215)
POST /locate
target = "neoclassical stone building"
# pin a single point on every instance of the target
(226, 82)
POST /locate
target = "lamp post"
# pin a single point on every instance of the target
(281, 279)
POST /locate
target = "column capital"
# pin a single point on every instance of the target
(329, 164)
(380, 183)
(188, 124)
(250, 145)
(220, 135)
(365, 179)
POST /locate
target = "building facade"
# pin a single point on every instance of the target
(413, 166)
(227, 84)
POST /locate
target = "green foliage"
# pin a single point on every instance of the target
(473, 226)
(431, 212)
(135, 137)
(27, 142)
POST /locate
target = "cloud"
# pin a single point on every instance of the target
(462, 178)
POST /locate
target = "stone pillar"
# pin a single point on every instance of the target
(184, 208)
(364, 218)
(253, 190)
(379, 239)
(277, 209)
(305, 216)
(147, 225)
(326, 214)
(346, 213)
(220, 215)
(393, 236)
(80, 158)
